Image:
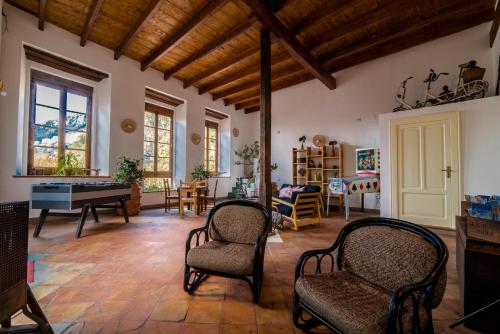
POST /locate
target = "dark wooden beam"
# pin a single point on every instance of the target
(238, 75)
(183, 32)
(42, 6)
(495, 25)
(215, 114)
(254, 84)
(210, 47)
(151, 8)
(222, 66)
(89, 22)
(252, 109)
(248, 103)
(291, 43)
(265, 193)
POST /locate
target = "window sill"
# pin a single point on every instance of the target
(62, 176)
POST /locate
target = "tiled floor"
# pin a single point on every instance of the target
(128, 278)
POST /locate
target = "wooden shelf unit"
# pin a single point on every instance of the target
(331, 166)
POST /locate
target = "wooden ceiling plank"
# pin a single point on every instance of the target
(42, 7)
(222, 66)
(331, 8)
(215, 44)
(276, 74)
(152, 7)
(291, 43)
(240, 74)
(89, 22)
(495, 25)
(248, 104)
(183, 32)
(252, 109)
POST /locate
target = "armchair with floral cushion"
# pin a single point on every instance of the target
(299, 204)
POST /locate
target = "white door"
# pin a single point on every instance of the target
(426, 169)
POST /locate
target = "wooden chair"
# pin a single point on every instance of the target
(213, 196)
(168, 195)
(303, 208)
(185, 189)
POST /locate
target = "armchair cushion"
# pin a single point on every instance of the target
(225, 257)
(239, 224)
(391, 258)
(353, 304)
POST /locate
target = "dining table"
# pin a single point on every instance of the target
(198, 191)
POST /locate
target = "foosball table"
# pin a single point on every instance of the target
(86, 196)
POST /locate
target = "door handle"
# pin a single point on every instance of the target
(448, 171)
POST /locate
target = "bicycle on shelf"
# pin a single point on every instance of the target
(400, 97)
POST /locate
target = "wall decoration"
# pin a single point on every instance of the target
(302, 140)
(195, 138)
(367, 161)
(128, 125)
(236, 132)
(319, 140)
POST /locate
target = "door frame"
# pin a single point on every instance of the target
(455, 131)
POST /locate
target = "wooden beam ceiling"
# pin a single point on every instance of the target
(298, 52)
(372, 43)
(210, 47)
(42, 7)
(248, 103)
(495, 25)
(223, 65)
(89, 22)
(139, 23)
(183, 32)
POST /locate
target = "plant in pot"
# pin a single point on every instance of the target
(248, 154)
(68, 165)
(130, 171)
(301, 172)
(200, 173)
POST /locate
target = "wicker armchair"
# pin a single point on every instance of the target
(231, 244)
(390, 275)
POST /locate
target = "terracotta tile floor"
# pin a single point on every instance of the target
(128, 278)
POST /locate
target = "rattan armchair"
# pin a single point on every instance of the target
(231, 244)
(390, 275)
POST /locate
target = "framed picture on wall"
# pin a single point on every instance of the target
(367, 161)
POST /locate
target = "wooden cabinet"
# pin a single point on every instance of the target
(478, 267)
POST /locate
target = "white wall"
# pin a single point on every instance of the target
(127, 101)
(349, 113)
(479, 151)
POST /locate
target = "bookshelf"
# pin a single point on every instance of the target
(326, 164)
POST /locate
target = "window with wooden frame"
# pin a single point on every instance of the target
(60, 123)
(211, 147)
(158, 141)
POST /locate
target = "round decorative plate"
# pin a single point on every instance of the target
(128, 125)
(319, 140)
(195, 138)
(236, 132)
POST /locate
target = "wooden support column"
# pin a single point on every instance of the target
(265, 193)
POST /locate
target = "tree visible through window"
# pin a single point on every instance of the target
(211, 147)
(60, 118)
(158, 146)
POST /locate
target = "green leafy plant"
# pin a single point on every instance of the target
(301, 171)
(248, 153)
(274, 167)
(129, 170)
(68, 165)
(200, 173)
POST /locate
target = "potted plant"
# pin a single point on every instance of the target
(68, 165)
(130, 171)
(301, 172)
(248, 154)
(200, 173)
